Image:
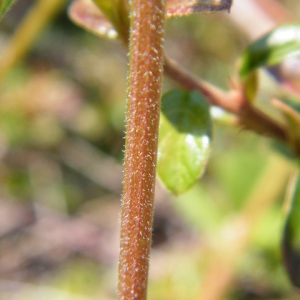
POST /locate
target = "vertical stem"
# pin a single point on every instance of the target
(145, 76)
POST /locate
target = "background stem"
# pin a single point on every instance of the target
(145, 76)
(28, 31)
(226, 258)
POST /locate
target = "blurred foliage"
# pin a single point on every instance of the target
(61, 148)
(4, 6)
(272, 48)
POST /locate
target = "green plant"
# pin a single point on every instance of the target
(185, 132)
(186, 124)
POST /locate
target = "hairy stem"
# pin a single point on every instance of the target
(143, 107)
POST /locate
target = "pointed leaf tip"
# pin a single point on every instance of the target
(185, 136)
(5, 6)
(272, 48)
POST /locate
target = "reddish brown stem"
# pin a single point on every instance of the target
(233, 101)
(145, 76)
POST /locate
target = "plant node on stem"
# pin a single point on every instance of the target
(233, 101)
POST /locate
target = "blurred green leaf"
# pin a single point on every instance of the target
(184, 139)
(17, 183)
(272, 48)
(250, 86)
(5, 5)
(237, 169)
(79, 277)
(107, 6)
(285, 150)
(205, 215)
(291, 235)
(14, 127)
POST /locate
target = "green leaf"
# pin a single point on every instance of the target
(184, 139)
(291, 235)
(5, 5)
(272, 48)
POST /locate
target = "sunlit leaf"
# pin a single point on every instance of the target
(272, 48)
(184, 139)
(5, 5)
(87, 15)
(187, 7)
(291, 236)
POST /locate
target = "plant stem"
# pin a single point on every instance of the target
(233, 101)
(143, 108)
(28, 31)
(224, 261)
